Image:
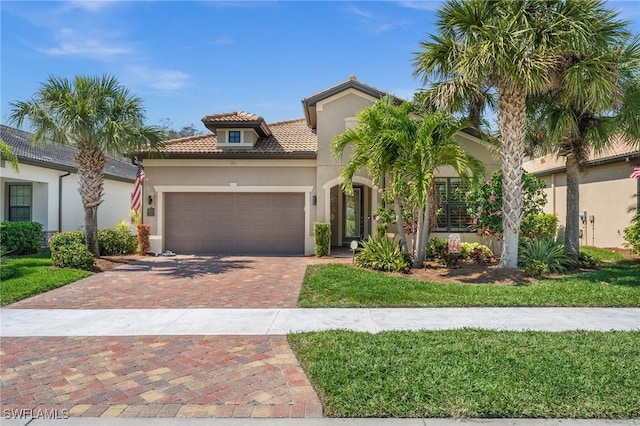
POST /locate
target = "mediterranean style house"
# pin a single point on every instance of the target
(607, 192)
(252, 187)
(45, 189)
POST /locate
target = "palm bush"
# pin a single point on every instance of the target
(381, 253)
(544, 251)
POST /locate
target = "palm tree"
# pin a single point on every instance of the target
(99, 117)
(376, 144)
(512, 46)
(7, 154)
(595, 103)
(434, 145)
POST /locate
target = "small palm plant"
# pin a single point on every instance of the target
(541, 256)
(382, 254)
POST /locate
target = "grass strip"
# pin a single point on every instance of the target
(331, 285)
(474, 373)
(31, 275)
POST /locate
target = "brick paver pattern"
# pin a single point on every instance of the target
(167, 376)
(183, 282)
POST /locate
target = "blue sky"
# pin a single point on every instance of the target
(187, 59)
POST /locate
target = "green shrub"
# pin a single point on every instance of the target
(118, 240)
(65, 238)
(322, 237)
(547, 251)
(21, 237)
(586, 261)
(632, 235)
(381, 253)
(73, 255)
(536, 269)
(476, 252)
(539, 225)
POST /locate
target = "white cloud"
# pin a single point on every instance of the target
(360, 12)
(222, 41)
(160, 79)
(92, 6)
(391, 25)
(73, 43)
(429, 5)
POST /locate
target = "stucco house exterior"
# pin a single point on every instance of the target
(606, 193)
(45, 189)
(252, 187)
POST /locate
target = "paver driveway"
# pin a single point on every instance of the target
(183, 282)
(165, 376)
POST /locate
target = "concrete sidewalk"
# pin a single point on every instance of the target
(167, 322)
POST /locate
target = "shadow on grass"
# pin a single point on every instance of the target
(623, 273)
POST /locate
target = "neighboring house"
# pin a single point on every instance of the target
(252, 187)
(606, 193)
(45, 189)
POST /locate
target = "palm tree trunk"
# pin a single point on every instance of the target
(423, 237)
(90, 162)
(572, 231)
(397, 208)
(511, 121)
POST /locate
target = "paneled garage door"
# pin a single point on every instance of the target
(234, 223)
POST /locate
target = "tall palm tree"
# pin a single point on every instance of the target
(595, 102)
(376, 143)
(434, 145)
(99, 117)
(512, 46)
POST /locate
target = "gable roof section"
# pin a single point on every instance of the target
(288, 139)
(237, 119)
(57, 156)
(619, 150)
(309, 103)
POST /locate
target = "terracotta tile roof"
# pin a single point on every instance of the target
(233, 117)
(619, 150)
(57, 156)
(290, 138)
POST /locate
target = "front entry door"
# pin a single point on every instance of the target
(353, 223)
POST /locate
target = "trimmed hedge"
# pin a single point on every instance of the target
(73, 255)
(322, 237)
(118, 240)
(21, 237)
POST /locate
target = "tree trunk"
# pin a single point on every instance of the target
(397, 208)
(90, 161)
(416, 238)
(423, 237)
(572, 231)
(511, 121)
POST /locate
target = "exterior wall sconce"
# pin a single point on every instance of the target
(150, 199)
(314, 200)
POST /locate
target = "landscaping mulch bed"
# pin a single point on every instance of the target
(106, 263)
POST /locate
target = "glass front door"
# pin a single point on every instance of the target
(353, 218)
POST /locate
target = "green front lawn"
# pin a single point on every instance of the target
(474, 373)
(31, 275)
(332, 285)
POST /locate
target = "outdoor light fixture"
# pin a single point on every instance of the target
(314, 200)
(150, 198)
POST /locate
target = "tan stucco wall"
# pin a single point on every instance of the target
(606, 193)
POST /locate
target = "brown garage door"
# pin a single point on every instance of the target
(234, 223)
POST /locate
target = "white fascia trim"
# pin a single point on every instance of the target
(351, 91)
(307, 190)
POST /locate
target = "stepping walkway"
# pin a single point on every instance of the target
(259, 322)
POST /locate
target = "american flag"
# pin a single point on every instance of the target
(136, 195)
(636, 172)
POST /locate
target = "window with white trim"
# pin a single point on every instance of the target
(234, 136)
(19, 203)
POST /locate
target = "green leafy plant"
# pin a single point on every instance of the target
(546, 251)
(632, 235)
(73, 255)
(117, 240)
(65, 238)
(536, 269)
(381, 253)
(541, 225)
(322, 237)
(586, 261)
(484, 202)
(477, 253)
(21, 237)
